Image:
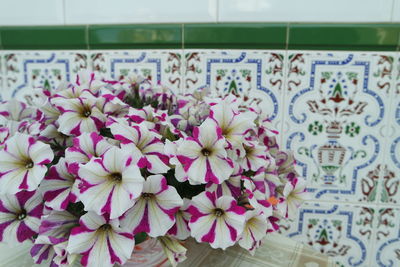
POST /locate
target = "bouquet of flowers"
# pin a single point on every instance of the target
(91, 169)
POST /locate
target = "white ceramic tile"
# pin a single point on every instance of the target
(135, 11)
(305, 10)
(27, 12)
(396, 11)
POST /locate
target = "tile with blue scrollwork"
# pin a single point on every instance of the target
(248, 74)
(336, 110)
(25, 70)
(158, 66)
(342, 232)
(390, 183)
(387, 243)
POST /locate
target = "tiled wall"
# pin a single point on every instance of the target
(338, 111)
(72, 12)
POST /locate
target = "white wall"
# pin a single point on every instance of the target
(72, 12)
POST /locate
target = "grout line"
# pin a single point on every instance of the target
(183, 62)
(183, 35)
(217, 10)
(287, 36)
(347, 203)
(284, 89)
(392, 11)
(64, 12)
(87, 37)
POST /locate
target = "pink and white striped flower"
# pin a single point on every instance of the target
(218, 221)
(58, 187)
(15, 110)
(54, 229)
(154, 211)
(255, 229)
(180, 229)
(101, 241)
(110, 184)
(254, 157)
(20, 216)
(85, 147)
(86, 85)
(293, 195)
(234, 124)
(23, 163)
(78, 115)
(204, 157)
(146, 145)
(230, 187)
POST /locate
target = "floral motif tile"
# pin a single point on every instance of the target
(255, 74)
(342, 232)
(336, 109)
(387, 244)
(26, 70)
(390, 183)
(159, 66)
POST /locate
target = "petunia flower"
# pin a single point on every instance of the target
(78, 115)
(110, 184)
(174, 250)
(154, 211)
(54, 229)
(180, 229)
(204, 157)
(101, 241)
(20, 216)
(293, 195)
(58, 186)
(15, 110)
(254, 231)
(234, 124)
(86, 85)
(218, 221)
(254, 157)
(23, 163)
(230, 187)
(85, 147)
(146, 146)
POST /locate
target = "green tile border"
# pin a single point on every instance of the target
(302, 36)
(364, 37)
(43, 37)
(236, 35)
(135, 36)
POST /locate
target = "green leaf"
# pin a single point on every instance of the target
(140, 237)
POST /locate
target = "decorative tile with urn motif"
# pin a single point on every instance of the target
(244, 73)
(25, 70)
(159, 66)
(342, 232)
(336, 108)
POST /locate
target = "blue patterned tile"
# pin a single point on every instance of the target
(336, 107)
(248, 74)
(342, 232)
(387, 243)
(159, 66)
(26, 70)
